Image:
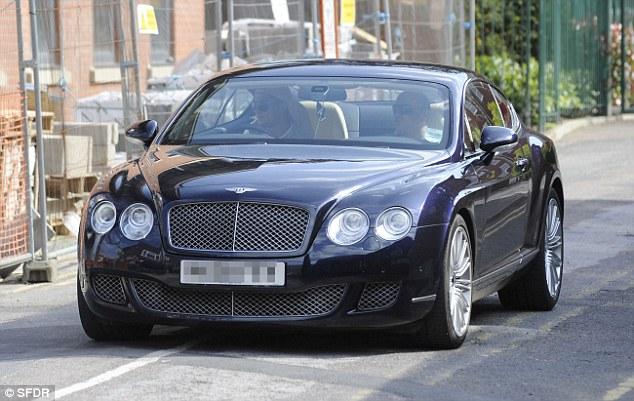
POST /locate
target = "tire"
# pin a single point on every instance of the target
(443, 328)
(104, 330)
(539, 288)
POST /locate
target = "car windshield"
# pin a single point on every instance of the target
(319, 111)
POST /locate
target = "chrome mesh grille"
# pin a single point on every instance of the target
(379, 295)
(109, 288)
(237, 226)
(162, 298)
(311, 302)
(315, 301)
(205, 226)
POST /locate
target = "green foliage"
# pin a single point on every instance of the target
(510, 77)
(506, 41)
(501, 27)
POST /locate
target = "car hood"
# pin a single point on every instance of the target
(301, 174)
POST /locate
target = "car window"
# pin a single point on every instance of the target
(482, 92)
(226, 106)
(336, 111)
(515, 117)
(236, 106)
(505, 109)
(476, 119)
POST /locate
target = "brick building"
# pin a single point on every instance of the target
(82, 44)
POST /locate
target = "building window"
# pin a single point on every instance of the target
(106, 19)
(47, 14)
(162, 49)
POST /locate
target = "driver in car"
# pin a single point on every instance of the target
(278, 114)
(410, 111)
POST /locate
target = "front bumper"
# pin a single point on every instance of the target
(322, 289)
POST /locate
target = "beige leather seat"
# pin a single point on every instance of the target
(333, 126)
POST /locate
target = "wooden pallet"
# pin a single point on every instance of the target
(64, 195)
(70, 188)
(48, 118)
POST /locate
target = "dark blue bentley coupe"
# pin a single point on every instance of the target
(331, 194)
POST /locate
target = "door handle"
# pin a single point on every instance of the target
(522, 163)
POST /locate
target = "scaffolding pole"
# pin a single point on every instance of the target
(301, 37)
(41, 174)
(230, 32)
(377, 28)
(135, 62)
(219, 53)
(313, 14)
(25, 130)
(388, 28)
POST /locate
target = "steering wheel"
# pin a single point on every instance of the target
(257, 130)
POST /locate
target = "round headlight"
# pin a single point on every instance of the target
(136, 221)
(348, 226)
(393, 223)
(103, 217)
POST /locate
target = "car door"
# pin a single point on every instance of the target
(505, 176)
(522, 163)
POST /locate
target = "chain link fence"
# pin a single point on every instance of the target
(14, 175)
(420, 31)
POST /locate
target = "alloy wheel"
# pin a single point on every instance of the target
(460, 284)
(553, 237)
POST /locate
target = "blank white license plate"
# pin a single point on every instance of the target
(233, 272)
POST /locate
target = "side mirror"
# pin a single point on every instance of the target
(492, 137)
(143, 131)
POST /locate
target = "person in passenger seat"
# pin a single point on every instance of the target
(410, 111)
(278, 114)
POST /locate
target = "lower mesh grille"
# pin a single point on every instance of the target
(379, 295)
(312, 302)
(109, 288)
(162, 298)
(315, 301)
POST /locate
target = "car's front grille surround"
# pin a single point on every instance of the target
(237, 227)
(380, 295)
(312, 302)
(109, 288)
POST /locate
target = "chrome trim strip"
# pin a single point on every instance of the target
(507, 269)
(424, 299)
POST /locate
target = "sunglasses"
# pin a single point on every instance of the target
(403, 109)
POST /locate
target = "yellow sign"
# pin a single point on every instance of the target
(348, 12)
(146, 19)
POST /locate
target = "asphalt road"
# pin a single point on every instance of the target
(582, 350)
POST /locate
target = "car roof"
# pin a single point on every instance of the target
(453, 77)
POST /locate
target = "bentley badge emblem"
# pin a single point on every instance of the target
(240, 190)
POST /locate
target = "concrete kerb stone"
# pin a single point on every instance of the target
(567, 126)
